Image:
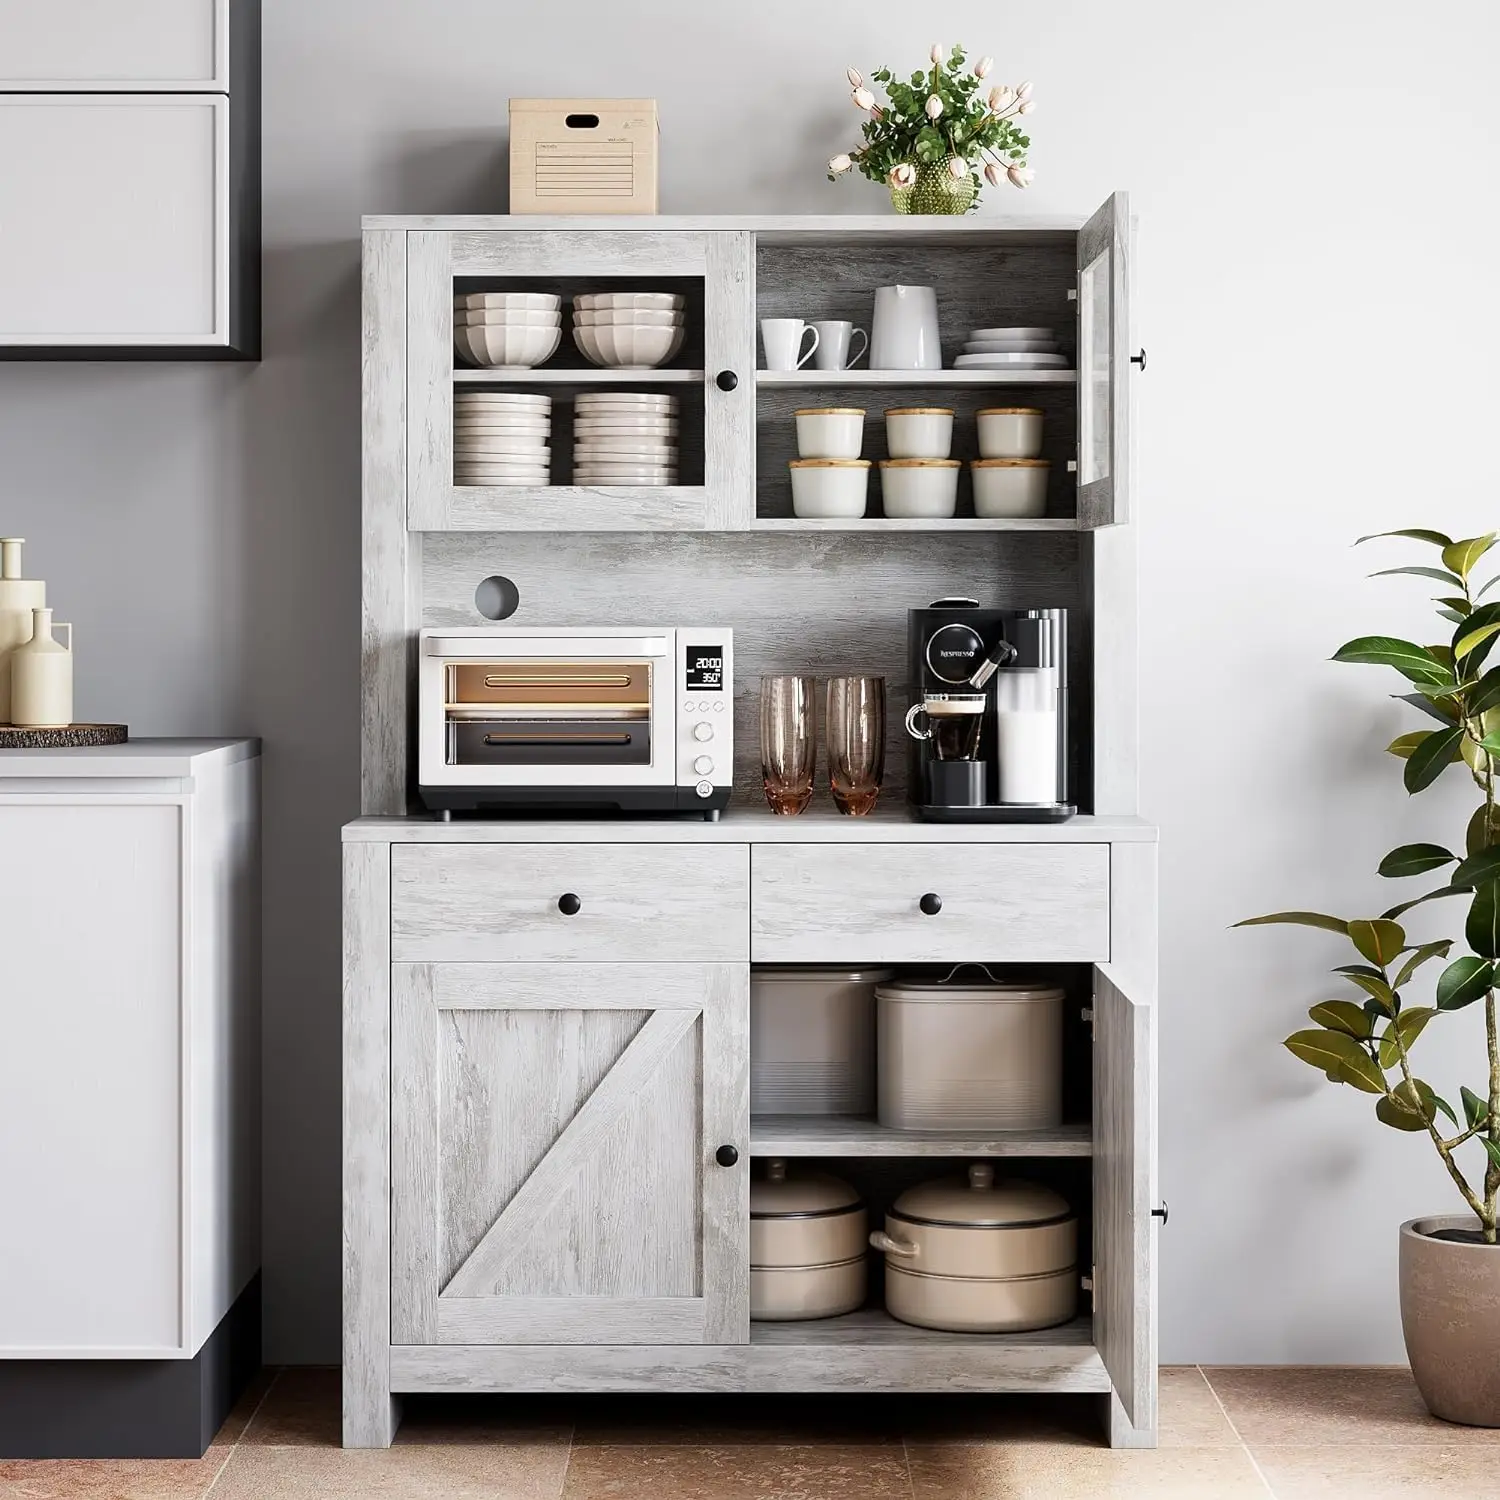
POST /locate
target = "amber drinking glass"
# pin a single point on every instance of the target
(788, 742)
(856, 742)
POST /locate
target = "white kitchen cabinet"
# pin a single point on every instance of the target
(131, 195)
(129, 1057)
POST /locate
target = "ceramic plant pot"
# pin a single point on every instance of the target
(936, 191)
(1450, 1316)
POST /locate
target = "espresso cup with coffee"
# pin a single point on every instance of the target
(951, 722)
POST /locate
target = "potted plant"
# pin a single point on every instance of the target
(1449, 1264)
(933, 136)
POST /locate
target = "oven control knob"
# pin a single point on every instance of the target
(704, 789)
(703, 765)
(703, 731)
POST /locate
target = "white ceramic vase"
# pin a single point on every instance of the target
(18, 597)
(41, 677)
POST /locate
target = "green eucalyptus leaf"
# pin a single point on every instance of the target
(1401, 908)
(1482, 928)
(1432, 757)
(1339, 1056)
(1345, 1016)
(1378, 939)
(1461, 556)
(1418, 957)
(1463, 982)
(1416, 533)
(1408, 658)
(1478, 868)
(1402, 1032)
(1299, 919)
(1414, 859)
(1476, 1110)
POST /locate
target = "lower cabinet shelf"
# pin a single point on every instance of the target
(848, 1135)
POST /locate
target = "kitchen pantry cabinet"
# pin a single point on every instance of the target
(131, 196)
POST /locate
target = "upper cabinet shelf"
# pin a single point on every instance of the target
(552, 375)
(916, 377)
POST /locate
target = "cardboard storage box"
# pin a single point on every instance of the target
(583, 156)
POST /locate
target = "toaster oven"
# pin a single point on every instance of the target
(575, 720)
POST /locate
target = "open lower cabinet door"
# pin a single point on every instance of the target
(1124, 1195)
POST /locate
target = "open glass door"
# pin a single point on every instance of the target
(1103, 365)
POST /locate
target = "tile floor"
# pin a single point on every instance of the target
(1290, 1433)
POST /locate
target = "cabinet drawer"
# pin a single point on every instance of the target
(500, 902)
(111, 45)
(1025, 903)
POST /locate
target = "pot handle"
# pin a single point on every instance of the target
(882, 1241)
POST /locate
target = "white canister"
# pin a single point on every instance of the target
(812, 1040)
(919, 431)
(962, 1056)
(830, 431)
(18, 598)
(904, 333)
(923, 489)
(41, 676)
(828, 488)
(1009, 431)
(1010, 487)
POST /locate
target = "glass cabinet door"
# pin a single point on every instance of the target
(1103, 364)
(562, 380)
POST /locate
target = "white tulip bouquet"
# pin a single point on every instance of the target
(942, 121)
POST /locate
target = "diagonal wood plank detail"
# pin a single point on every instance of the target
(522, 1216)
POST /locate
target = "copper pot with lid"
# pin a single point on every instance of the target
(807, 1245)
(973, 1255)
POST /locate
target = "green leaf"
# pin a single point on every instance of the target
(1401, 908)
(1379, 940)
(1432, 757)
(1397, 1117)
(1476, 1110)
(1482, 830)
(1492, 1150)
(1345, 1016)
(1442, 1104)
(1418, 957)
(1452, 616)
(1408, 1107)
(1417, 534)
(1461, 556)
(1414, 859)
(1407, 1027)
(1412, 661)
(1474, 636)
(1487, 587)
(1438, 575)
(1478, 868)
(1339, 1056)
(1463, 982)
(1444, 713)
(1299, 919)
(1403, 745)
(1482, 929)
(1373, 983)
(1458, 605)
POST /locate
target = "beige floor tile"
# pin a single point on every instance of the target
(245, 1408)
(109, 1478)
(485, 1419)
(1189, 1414)
(301, 1409)
(1067, 1420)
(1048, 1472)
(1321, 1407)
(1377, 1472)
(754, 1472)
(467, 1472)
(733, 1421)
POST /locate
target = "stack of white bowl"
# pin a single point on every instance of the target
(1011, 349)
(501, 438)
(628, 330)
(506, 328)
(624, 437)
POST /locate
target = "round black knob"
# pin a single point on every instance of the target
(1139, 359)
(1161, 1213)
(569, 904)
(726, 1156)
(726, 380)
(931, 904)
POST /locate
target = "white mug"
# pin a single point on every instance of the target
(904, 333)
(782, 338)
(833, 343)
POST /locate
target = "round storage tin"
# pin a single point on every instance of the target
(960, 1056)
(812, 1040)
(807, 1245)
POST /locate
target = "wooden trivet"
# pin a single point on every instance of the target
(69, 737)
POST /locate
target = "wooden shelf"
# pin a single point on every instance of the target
(951, 523)
(567, 507)
(843, 1135)
(874, 1326)
(547, 375)
(915, 377)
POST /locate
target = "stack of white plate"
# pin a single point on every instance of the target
(506, 328)
(1011, 349)
(628, 330)
(501, 438)
(624, 437)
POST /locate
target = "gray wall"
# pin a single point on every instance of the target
(1313, 185)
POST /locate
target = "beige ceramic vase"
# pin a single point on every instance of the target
(1450, 1315)
(41, 676)
(18, 597)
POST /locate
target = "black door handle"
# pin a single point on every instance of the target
(931, 904)
(1161, 1213)
(569, 904)
(726, 380)
(726, 1156)
(1139, 359)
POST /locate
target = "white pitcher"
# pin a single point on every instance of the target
(904, 333)
(41, 676)
(18, 597)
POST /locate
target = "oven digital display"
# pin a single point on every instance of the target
(705, 669)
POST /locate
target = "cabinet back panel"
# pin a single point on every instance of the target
(816, 604)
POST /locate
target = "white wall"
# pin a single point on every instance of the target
(1314, 186)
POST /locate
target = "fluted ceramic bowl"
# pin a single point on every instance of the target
(625, 347)
(497, 344)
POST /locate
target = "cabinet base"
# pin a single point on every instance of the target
(573, 801)
(130, 1408)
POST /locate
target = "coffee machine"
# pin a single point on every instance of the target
(988, 722)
